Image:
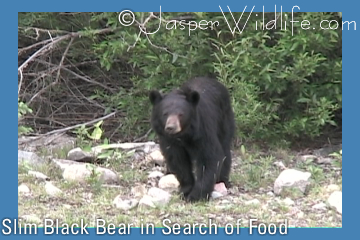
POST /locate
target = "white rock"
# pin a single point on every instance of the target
(77, 154)
(335, 200)
(51, 189)
(169, 182)
(39, 175)
(30, 158)
(156, 157)
(159, 196)
(138, 191)
(300, 214)
(31, 218)
(81, 172)
(156, 174)
(319, 206)
(252, 202)
(216, 194)
(22, 188)
(271, 194)
(146, 201)
(126, 204)
(291, 178)
(332, 187)
(288, 201)
(280, 164)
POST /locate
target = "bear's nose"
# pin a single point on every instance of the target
(170, 129)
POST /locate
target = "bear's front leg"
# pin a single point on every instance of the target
(207, 171)
(178, 162)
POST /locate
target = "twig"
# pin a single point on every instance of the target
(120, 125)
(44, 30)
(58, 73)
(21, 80)
(62, 59)
(78, 125)
(34, 45)
(58, 39)
(43, 49)
(145, 136)
(163, 48)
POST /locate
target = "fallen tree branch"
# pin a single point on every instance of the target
(78, 125)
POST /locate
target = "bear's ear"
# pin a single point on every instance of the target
(155, 97)
(193, 97)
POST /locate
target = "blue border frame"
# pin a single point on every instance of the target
(8, 206)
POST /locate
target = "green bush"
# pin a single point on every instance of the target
(22, 110)
(283, 85)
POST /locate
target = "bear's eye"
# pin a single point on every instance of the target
(180, 115)
(165, 114)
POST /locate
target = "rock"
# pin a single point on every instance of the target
(216, 194)
(67, 206)
(306, 157)
(221, 188)
(169, 182)
(280, 165)
(22, 188)
(53, 142)
(126, 204)
(80, 172)
(63, 163)
(78, 155)
(156, 174)
(138, 191)
(159, 196)
(31, 218)
(335, 200)
(156, 157)
(325, 160)
(288, 201)
(143, 153)
(270, 194)
(145, 146)
(39, 175)
(30, 158)
(51, 189)
(332, 187)
(319, 206)
(252, 202)
(146, 201)
(328, 150)
(300, 214)
(292, 178)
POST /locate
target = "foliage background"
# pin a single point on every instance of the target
(75, 67)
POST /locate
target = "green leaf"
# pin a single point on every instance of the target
(98, 123)
(294, 46)
(175, 57)
(303, 100)
(105, 154)
(242, 149)
(96, 134)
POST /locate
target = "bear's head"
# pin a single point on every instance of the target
(174, 113)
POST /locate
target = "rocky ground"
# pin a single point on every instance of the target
(125, 184)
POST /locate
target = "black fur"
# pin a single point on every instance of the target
(199, 155)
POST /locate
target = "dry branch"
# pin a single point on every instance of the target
(78, 125)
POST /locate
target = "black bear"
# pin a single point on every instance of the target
(195, 125)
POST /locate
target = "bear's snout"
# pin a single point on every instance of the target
(172, 125)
